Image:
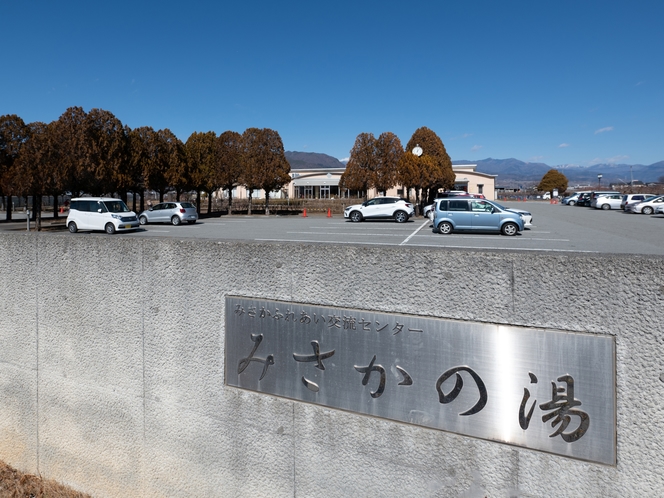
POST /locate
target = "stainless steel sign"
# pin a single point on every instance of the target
(541, 389)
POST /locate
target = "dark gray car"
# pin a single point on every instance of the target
(169, 212)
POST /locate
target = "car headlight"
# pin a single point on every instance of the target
(116, 216)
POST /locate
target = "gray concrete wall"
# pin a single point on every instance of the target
(112, 358)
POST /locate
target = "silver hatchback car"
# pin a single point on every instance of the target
(475, 215)
(169, 212)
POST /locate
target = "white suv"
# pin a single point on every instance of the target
(100, 213)
(381, 207)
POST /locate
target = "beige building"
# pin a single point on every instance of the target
(323, 183)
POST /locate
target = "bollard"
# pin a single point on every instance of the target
(329, 213)
(304, 213)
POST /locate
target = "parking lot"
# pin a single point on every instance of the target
(556, 228)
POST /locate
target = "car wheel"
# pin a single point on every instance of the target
(143, 220)
(72, 227)
(176, 220)
(605, 207)
(509, 229)
(110, 228)
(355, 216)
(445, 227)
(571, 203)
(401, 217)
(647, 210)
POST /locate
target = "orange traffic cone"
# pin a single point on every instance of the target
(329, 213)
(304, 214)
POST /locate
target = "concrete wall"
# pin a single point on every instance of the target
(112, 358)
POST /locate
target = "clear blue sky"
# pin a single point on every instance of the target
(561, 82)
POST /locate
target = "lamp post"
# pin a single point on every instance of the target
(417, 152)
(599, 181)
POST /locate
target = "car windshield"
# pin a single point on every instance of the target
(498, 205)
(116, 206)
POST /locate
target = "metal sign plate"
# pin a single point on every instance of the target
(540, 389)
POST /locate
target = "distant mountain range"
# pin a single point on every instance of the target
(512, 172)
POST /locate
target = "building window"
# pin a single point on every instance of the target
(480, 188)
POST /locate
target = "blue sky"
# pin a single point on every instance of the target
(564, 82)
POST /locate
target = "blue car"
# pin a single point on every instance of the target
(475, 215)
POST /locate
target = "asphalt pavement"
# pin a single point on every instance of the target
(556, 228)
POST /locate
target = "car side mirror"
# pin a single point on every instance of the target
(99, 210)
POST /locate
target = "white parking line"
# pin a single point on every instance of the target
(369, 228)
(413, 234)
(429, 245)
(447, 246)
(352, 234)
(491, 235)
(324, 241)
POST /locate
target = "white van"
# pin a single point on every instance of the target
(100, 213)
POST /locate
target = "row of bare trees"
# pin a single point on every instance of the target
(93, 153)
(382, 163)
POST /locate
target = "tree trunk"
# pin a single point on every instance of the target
(9, 208)
(230, 201)
(56, 206)
(250, 192)
(198, 202)
(209, 202)
(142, 204)
(267, 202)
(37, 208)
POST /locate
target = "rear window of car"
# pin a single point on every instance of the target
(459, 205)
(186, 205)
(85, 206)
(442, 205)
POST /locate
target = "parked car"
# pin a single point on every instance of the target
(660, 209)
(100, 213)
(646, 207)
(428, 210)
(381, 207)
(627, 198)
(583, 199)
(570, 200)
(607, 201)
(649, 197)
(169, 212)
(596, 193)
(474, 215)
